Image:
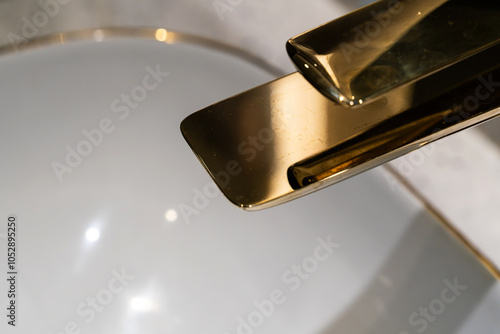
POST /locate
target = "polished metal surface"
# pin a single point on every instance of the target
(286, 139)
(248, 142)
(430, 114)
(360, 56)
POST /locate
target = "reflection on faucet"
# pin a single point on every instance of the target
(431, 71)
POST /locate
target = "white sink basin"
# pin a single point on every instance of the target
(120, 230)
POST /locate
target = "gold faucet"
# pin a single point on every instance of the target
(371, 86)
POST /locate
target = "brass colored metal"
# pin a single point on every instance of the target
(289, 138)
(427, 119)
(360, 56)
(284, 139)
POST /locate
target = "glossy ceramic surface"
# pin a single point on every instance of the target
(136, 238)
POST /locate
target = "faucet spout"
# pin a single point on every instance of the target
(361, 56)
(358, 101)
